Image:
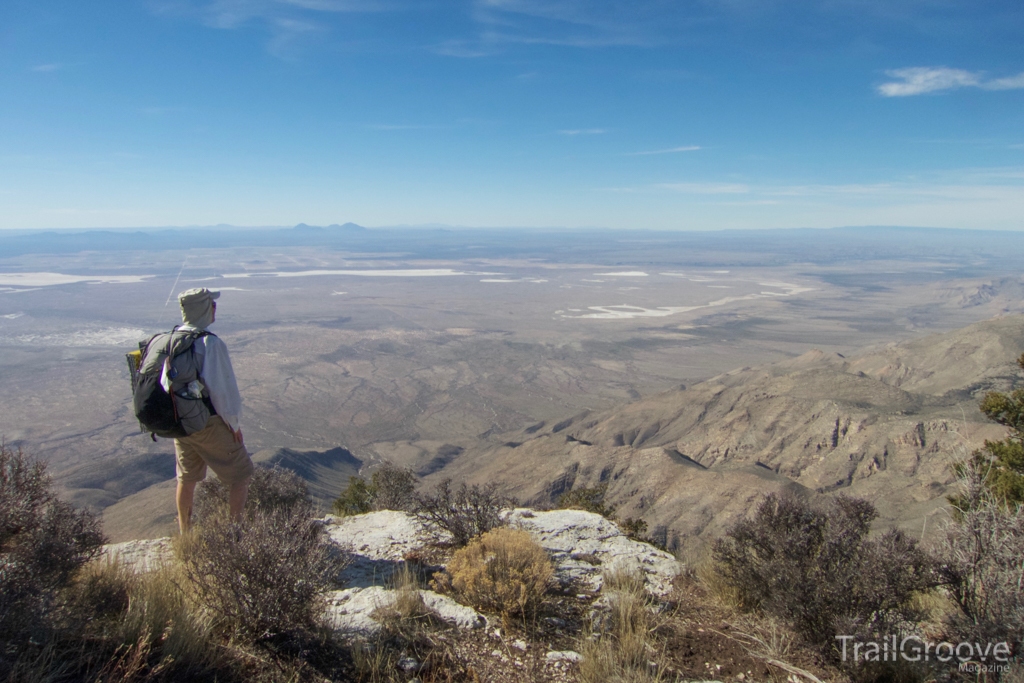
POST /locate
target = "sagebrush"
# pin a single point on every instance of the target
(503, 572)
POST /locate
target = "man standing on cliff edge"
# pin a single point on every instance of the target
(218, 445)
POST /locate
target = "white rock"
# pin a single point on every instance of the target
(452, 612)
(563, 656)
(378, 541)
(570, 534)
(142, 556)
(349, 611)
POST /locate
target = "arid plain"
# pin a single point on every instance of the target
(424, 348)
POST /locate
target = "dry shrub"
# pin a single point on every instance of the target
(264, 579)
(43, 543)
(635, 528)
(768, 638)
(271, 488)
(504, 572)
(622, 578)
(42, 666)
(120, 625)
(814, 567)
(102, 589)
(709, 574)
(393, 487)
(465, 512)
(409, 639)
(983, 565)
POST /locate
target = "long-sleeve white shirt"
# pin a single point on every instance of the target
(219, 377)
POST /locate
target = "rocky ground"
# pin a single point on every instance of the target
(696, 640)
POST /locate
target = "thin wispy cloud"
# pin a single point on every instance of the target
(290, 22)
(975, 184)
(232, 13)
(671, 150)
(465, 49)
(401, 126)
(46, 68)
(920, 80)
(583, 131)
(704, 188)
(159, 111)
(290, 34)
(566, 23)
(1009, 83)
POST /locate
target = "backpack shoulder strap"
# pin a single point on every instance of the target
(183, 340)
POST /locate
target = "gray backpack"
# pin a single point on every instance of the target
(187, 407)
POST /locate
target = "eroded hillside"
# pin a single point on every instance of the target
(883, 424)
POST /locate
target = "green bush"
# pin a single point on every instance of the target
(1000, 464)
(590, 499)
(390, 488)
(356, 499)
(814, 567)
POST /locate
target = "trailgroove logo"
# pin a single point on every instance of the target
(971, 657)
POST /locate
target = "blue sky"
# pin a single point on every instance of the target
(693, 114)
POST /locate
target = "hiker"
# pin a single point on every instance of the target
(218, 445)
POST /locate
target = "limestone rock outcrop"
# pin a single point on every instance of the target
(583, 546)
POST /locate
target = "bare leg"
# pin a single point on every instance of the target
(184, 497)
(236, 499)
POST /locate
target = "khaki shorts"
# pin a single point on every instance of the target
(215, 446)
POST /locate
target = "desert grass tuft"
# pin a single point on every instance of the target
(622, 578)
(407, 610)
(376, 662)
(625, 648)
(43, 666)
(162, 609)
(709, 574)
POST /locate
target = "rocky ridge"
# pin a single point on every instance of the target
(883, 424)
(582, 545)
